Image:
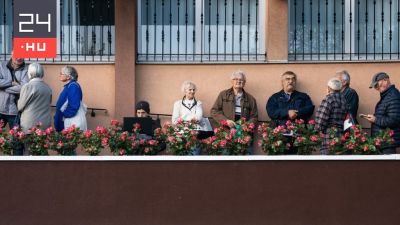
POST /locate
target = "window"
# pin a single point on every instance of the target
(200, 30)
(344, 30)
(86, 32)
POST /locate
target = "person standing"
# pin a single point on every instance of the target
(35, 100)
(349, 93)
(387, 110)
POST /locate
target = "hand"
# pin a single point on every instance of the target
(14, 83)
(231, 123)
(370, 118)
(292, 114)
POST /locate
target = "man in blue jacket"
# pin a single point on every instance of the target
(387, 110)
(289, 104)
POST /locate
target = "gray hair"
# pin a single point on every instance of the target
(188, 84)
(238, 74)
(70, 72)
(344, 75)
(335, 84)
(35, 70)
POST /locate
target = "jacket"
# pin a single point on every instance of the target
(35, 104)
(224, 107)
(387, 113)
(8, 93)
(278, 106)
(351, 97)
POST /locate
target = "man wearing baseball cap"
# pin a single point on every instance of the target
(387, 110)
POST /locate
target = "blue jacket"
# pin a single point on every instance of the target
(73, 93)
(279, 104)
(387, 113)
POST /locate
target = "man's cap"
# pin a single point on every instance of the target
(377, 77)
(143, 105)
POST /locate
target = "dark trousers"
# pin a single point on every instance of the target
(12, 121)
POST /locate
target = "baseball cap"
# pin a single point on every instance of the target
(377, 77)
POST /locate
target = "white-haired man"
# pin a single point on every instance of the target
(349, 93)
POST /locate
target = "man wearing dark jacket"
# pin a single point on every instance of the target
(349, 93)
(387, 110)
(289, 104)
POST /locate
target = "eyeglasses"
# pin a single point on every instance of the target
(238, 80)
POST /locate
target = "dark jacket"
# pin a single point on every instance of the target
(224, 107)
(278, 106)
(351, 97)
(387, 113)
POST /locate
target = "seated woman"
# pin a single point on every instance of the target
(331, 112)
(143, 110)
(188, 108)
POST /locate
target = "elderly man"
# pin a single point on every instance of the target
(289, 104)
(349, 93)
(235, 103)
(13, 75)
(387, 110)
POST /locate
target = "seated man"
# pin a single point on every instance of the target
(143, 110)
(289, 104)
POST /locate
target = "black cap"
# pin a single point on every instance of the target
(143, 105)
(377, 77)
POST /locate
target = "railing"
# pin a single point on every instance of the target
(200, 30)
(344, 30)
(86, 32)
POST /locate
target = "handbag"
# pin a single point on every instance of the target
(79, 120)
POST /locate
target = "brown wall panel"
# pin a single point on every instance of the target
(199, 192)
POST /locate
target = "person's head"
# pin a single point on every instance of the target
(380, 82)
(68, 73)
(35, 70)
(142, 109)
(188, 89)
(334, 85)
(238, 79)
(344, 77)
(289, 80)
(16, 62)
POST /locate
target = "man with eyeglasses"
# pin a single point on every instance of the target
(387, 110)
(235, 103)
(13, 75)
(289, 104)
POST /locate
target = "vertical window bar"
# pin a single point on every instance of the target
(233, 29)
(4, 30)
(178, 31)
(374, 31)
(343, 40)
(326, 30)
(217, 39)
(295, 29)
(248, 30)
(93, 48)
(170, 29)
(62, 29)
(109, 36)
(366, 29)
(256, 32)
(186, 32)
(162, 29)
(334, 29)
(225, 4)
(241, 30)
(194, 31)
(382, 32)
(202, 30)
(358, 29)
(398, 29)
(390, 29)
(319, 31)
(351, 21)
(77, 33)
(303, 25)
(209, 29)
(70, 29)
(155, 29)
(311, 31)
(101, 33)
(147, 30)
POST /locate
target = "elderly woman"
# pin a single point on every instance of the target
(35, 100)
(188, 108)
(69, 108)
(331, 112)
(234, 103)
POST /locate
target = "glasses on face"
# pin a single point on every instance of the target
(238, 80)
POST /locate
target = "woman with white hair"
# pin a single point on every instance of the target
(69, 108)
(34, 102)
(331, 113)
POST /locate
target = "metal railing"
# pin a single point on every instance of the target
(344, 30)
(200, 30)
(86, 32)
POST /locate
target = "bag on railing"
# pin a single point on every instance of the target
(79, 120)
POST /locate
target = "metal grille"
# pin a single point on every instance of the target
(200, 31)
(344, 30)
(86, 32)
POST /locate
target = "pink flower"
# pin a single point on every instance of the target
(311, 122)
(366, 148)
(391, 133)
(49, 130)
(251, 126)
(299, 139)
(333, 142)
(142, 141)
(152, 142)
(39, 124)
(223, 143)
(314, 138)
(100, 129)
(233, 132)
(170, 139)
(20, 134)
(121, 152)
(60, 144)
(146, 150)
(114, 122)
(88, 133)
(104, 141)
